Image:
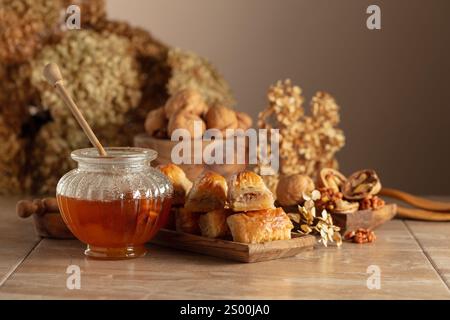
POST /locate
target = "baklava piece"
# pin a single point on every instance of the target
(181, 184)
(260, 226)
(187, 221)
(208, 193)
(214, 223)
(248, 192)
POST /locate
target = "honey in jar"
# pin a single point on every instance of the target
(114, 204)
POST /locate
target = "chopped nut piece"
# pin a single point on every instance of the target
(371, 203)
(360, 236)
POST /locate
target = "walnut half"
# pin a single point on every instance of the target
(332, 179)
(361, 184)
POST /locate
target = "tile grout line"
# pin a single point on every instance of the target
(430, 260)
(18, 264)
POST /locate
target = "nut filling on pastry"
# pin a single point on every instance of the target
(248, 192)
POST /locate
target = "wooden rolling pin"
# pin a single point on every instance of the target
(48, 222)
(26, 208)
(428, 210)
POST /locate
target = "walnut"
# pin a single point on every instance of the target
(371, 203)
(222, 118)
(244, 120)
(156, 123)
(186, 120)
(328, 199)
(290, 189)
(361, 236)
(188, 100)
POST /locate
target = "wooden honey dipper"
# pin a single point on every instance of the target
(53, 75)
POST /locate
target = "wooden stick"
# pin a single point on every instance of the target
(417, 214)
(54, 77)
(416, 201)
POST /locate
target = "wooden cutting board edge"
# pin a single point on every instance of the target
(236, 251)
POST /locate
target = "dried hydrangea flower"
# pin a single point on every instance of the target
(20, 37)
(151, 56)
(27, 25)
(48, 11)
(192, 71)
(49, 156)
(12, 159)
(92, 11)
(285, 106)
(99, 72)
(16, 94)
(307, 143)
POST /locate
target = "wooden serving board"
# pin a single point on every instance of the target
(367, 219)
(242, 252)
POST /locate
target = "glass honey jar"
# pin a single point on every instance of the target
(114, 203)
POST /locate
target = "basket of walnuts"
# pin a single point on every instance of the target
(188, 110)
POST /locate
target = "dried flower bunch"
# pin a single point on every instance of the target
(99, 73)
(15, 94)
(117, 74)
(93, 11)
(190, 71)
(12, 158)
(308, 143)
(151, 57)
(50, 155)
(25, 25)
(307, 221)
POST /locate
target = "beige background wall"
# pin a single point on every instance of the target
(393, 85)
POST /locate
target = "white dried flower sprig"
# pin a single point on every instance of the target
(311, 223)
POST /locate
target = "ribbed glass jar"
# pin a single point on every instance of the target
(114, 204)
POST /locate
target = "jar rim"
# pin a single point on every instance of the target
(116, 155)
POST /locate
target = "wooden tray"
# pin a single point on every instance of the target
(234, 250)
(367, 219)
